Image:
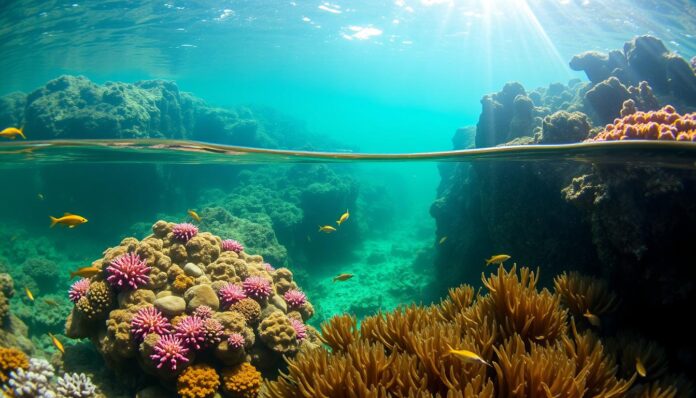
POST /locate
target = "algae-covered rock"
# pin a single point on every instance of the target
(201, 295)
(171, 305)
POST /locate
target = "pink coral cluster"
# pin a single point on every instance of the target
(231, 245)
(78, 289)
(230, 294)
(184, 232)
(128, 271)
(203, 312)
(664, 125)
(295, 298)
(300, 328)
(191, 332)
(212, 330)
(257, 287)
(149, 320)
(170, 351)
(235, 340)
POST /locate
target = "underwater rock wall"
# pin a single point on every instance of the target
(614, 220)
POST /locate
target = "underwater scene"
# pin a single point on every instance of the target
(348, 198)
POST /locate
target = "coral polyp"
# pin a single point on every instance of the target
(235, 340)
(78, 289)
(170, 351)
(257, 287)
(231, 293)
(295, 298)
(191, 332)
(128, 271)
(300, 328)
(149, 320)
(232, 245)
(184, 232)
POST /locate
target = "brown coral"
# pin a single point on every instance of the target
(250, 308)
(4, 307)
(242, 381)
(277, 333)
(664, 125)
(198, 381)
(458, 300)
(583, 294)
(224, 269)
(11, 359)
(96, 303)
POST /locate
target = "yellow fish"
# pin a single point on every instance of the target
(497, 259)
(467, 355)
(12, 133)
(57, 343)
(85, 272)
(29, 294)
(592, 318)
(51, 302)
(442, 240)
(194, 215)
(343, 218)
(342, 277)
(71, 220)
(327, 229)
(640, 368)
(40, 196)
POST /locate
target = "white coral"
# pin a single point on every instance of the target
(74, 385)
(33, 382)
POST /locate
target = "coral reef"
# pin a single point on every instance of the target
(188, 335)
(665, 125)
(407, 352)
(39, 379)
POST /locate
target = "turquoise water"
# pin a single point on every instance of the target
(271, 120)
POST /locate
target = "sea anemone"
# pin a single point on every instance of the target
(184, 232)
(231, 293)
(295, 298)
(231, 245)
(78, 289)
(212, 330)
(300, 328)
(128, 271)
(257, 287)
(203, 312)
(236, 341)
(171, 351)
(149, 320)
(190, 330)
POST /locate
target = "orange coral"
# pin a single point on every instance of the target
(182, 282)
(242, 381)
(198, 381)
(665, 125)
(11, 359)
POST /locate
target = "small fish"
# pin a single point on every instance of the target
(12, 133)
(51, 302)
(194, 215)
(40, 196)
(342, 277)
(467, 355)
(640, 368)
(29, 294)
(497, 259)
(442, 240)
(57, 343)
(71, 220)
(85, 272)
(343, 218)
(592, 318)
(327, 229)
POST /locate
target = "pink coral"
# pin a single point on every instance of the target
(171, 351)
(257, 287)
(235, 340)
(230, 294)
(149, 320)
(184, 232)
(203, 312)
(664, 125)
(212, 329)
(78, 289)
(295, 298)
(190, 330)
(128, 271)
(300, 328)
(268, 267)
(232, 245)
